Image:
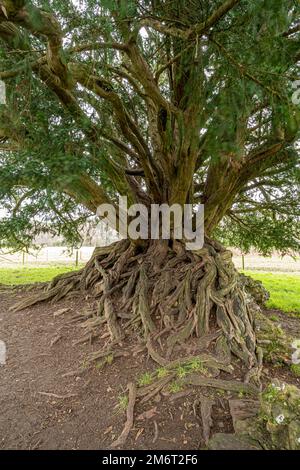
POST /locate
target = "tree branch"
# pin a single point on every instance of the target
(197, 30)
(40, 23)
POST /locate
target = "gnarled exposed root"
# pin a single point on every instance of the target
(129, 422)
(165, 296)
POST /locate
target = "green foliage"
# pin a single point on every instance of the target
(232, 98)
(266, 217)
(181, 372)
(145, 379)
(271, 394)
(194, 365)
(122, 402)
(162, 372)
(175, 387)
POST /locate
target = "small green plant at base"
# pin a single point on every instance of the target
(122, 402)
(194, 365)
(109, 359)
(275, 349)
(197, 365)
(181, 372)
(84, 364)
(274, 318)
(175, 387)
(162, 372)
(295, 368)
(145, 379)
(271, 394)
(99, 365)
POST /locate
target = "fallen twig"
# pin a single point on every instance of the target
(155, 432)
(55, 340)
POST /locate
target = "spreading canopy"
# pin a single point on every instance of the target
(181, 101)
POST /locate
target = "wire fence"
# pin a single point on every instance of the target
(46, 256)
(62, 255)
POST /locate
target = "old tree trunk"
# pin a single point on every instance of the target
(170, 299)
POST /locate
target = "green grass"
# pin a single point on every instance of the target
(145, 379)
(122, 402)
(30, 275)
(175, 387)
(284, 290)
(295, 368)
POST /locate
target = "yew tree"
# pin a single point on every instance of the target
(164, 101)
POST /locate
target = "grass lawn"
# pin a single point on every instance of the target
(29, 275)
(284, 290)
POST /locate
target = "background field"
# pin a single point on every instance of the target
(29, 275)
(284, 289)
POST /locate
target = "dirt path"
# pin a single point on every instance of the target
(43, 409)
(87, 418)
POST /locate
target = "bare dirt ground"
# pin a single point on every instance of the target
(42, 408)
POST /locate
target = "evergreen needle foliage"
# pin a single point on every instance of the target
(163, 101)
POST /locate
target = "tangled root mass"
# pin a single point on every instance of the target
(169, 298)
